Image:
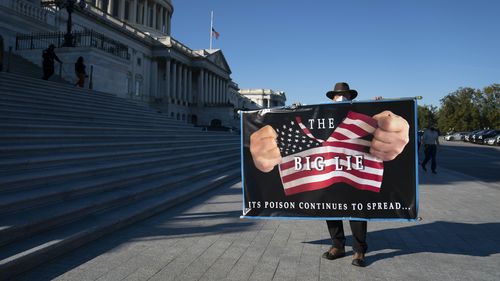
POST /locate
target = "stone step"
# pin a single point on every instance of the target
(17, 78)
(25, 68)
(29, 162)
(62, 92)
(30, 94)
(18, 257)
(88, 107)
(16, 150)
(22, 180)
(41, 217)
(18, 200)
(13, 110)
(77, 164)
(21, 129)
(61, 138)
(16, 117)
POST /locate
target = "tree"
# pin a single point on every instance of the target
(460, 111)
(490, 106)
(427, 116)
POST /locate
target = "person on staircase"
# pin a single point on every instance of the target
(49, 56)
(80, 72)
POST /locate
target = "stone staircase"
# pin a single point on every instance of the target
(24, 67)
(76, 165)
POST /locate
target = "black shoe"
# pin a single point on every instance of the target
(434, 172)
(423, 168)
(358, 259)
(333, 253)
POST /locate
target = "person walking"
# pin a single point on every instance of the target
(430, 139)
(388, 142)
(49, 56)
(80, 72)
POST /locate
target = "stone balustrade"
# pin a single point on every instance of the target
(29, 9)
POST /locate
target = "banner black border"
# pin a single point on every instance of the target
(417, 188)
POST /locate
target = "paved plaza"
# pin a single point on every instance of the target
(458, 238)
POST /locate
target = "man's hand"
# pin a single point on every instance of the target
(391, 137)
(264, 149)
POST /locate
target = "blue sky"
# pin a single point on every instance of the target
(380, 47)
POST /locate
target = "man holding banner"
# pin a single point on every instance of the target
(317, 174)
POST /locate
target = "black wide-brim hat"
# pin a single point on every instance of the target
(341, 88)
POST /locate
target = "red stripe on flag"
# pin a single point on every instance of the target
(355, 129)
(365, 118)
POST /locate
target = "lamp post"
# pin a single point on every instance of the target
(70, 6)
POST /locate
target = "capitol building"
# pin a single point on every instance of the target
(129, 51)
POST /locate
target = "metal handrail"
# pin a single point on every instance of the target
(86, 38)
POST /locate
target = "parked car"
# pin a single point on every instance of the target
(468, 137)
(490, 141)
(487, 134)
(456, 136)
(493, 141)
(475, 136)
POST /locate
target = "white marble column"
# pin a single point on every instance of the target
(206, 93)
(154, 79)
(145, 14)
(190, 86)
(200, 88)
(173, 93)
(110, 7)
(205, 87)
(216, 99)
(167, 79)
(133, 11)
(179, 82)
(219, 89)
(121, 10)
(168, 23)
(226, 90)
(214, 89)
(184, 84)
(211, 87)
(154, 15)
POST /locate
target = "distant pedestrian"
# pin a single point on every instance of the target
(1, 53)
(80, 72)
(49, 56)
(430, 139)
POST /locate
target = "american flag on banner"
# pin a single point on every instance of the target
(310, 164)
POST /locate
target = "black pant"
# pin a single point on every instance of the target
(48, 70)
(358, 228)
(430, 154)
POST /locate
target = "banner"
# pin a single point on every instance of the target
(325, 169)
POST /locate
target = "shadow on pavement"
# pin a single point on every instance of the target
(179, 221)
(479, 240)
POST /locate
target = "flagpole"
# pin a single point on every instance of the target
(211, 27)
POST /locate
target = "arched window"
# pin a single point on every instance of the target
(215, 123)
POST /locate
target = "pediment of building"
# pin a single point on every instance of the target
(217, 57)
